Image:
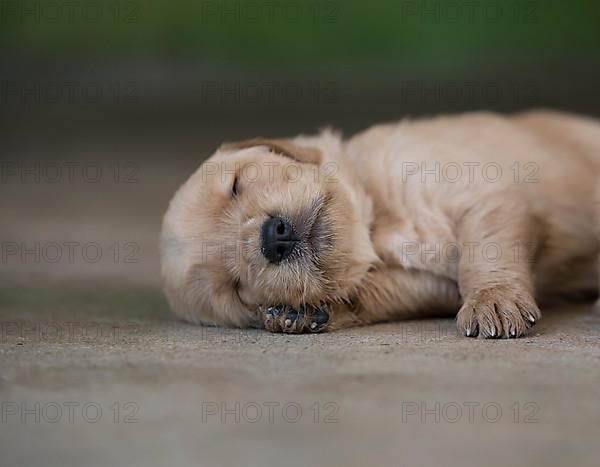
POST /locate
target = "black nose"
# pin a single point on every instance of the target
(278, 239)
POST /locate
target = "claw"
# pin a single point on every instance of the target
(274, 310)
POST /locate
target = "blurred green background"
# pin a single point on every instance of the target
(177, 65)
(455, 35)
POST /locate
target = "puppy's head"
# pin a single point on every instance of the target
(263, 222)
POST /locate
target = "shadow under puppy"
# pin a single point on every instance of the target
(476, 213)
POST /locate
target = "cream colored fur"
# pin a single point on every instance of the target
(414, 221)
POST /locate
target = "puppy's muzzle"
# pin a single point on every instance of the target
(278, 239)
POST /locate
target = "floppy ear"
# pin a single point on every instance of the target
(284, 147)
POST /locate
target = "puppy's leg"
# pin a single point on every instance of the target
(396, 293)
(494, 273)
(385, 294)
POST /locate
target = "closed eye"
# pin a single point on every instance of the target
(235, 187)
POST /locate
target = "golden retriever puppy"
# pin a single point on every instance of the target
(476, 214)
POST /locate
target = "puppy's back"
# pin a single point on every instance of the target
(580, 136)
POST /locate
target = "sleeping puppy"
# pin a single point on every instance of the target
(477, 214)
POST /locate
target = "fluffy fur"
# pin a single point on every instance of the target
(478, 214)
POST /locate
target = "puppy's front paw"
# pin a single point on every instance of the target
(498, 312)
(282, 318)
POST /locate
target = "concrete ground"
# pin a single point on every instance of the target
(95, 371)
